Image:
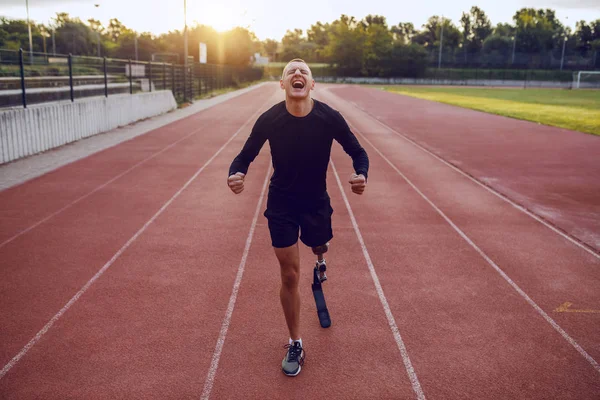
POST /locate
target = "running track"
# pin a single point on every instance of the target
(135, 273)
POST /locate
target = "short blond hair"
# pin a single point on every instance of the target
(292, 61)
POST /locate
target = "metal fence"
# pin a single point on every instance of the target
(507, 58)
(30, 78)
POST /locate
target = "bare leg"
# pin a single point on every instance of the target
(289, 261)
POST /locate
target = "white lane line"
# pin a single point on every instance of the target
(386, 307)
(214, 365)
(46, 327)
(490, 189)
(562, 332)
(98, 188)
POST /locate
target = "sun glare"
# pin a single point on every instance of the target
(220, 17)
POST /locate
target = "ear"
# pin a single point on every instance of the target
(312, 85)
(281, 84)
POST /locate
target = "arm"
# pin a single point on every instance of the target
(360, 159)
(241, 163)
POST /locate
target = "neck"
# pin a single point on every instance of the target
(299, 107)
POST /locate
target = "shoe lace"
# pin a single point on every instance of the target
(294, 353)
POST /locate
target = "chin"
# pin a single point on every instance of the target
(299, 95)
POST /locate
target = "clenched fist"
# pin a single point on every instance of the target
(236, 182)
(358, 182)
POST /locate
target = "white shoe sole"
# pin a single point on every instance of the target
(297, 372)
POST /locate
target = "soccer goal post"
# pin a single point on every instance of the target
(584, 78)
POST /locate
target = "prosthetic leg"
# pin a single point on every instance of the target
(319, 277)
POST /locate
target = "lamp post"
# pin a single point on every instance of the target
(441, 45)
(29, 28)
(514, 46)
(562, 58)
(185, 34)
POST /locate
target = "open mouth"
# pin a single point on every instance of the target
(298, 85)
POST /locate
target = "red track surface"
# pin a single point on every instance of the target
(470, 281)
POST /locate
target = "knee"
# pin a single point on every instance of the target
(321, 249)
(290, 277)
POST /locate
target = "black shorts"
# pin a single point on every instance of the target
(288, 218)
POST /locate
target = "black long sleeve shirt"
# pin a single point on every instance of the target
(300, 149)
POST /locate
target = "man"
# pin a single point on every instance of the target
(300, 131)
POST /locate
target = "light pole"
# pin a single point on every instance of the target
(441, 45)
(514, 46)
(185, 35)
(29, 28)
(98, 34)
(562, 58)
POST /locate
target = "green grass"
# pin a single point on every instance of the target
(572, 109)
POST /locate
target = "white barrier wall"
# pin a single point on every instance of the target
(41, 127)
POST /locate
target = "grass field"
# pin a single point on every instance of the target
(572, 109)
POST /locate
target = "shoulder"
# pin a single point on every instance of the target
(329, 114)
(272, 115)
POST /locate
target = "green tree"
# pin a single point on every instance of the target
(346, 46)
(378, 46)
(14, 34)
(537, 30)
(408, 60)
(292, 43)
(318, 34)
(403, 32)
(73, 36)
(238, 47)
(270, 47)
(506, 30)
(584, 37)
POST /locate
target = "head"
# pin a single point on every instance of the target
(297, 80)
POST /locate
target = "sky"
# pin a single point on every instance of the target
(271, 18)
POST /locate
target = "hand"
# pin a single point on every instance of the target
(236, 182)
(358, 182)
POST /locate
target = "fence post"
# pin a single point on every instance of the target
(185, 82)
(150, 76)
(71, 77)
(22, 69)
(105, 79)
(130, 78)
(173, 79)
(200, 80)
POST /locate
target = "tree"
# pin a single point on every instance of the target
(346, 46)
(238, 47)
(506, 30)
(403, 32)
(476, 28)
(73, 36)
(482, 28)
(497, 50)
(467, 32)
(14, 34)
(537, 30)
(408, 60)
(584, 37)
(116, 29)
(378, 46)
(270, 47)
(430, 36)
(292, 43)
(319, 35)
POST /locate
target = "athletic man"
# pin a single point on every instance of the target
(300, 131)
